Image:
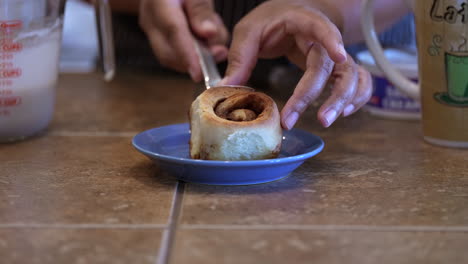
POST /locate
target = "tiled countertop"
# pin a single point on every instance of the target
(81, 194)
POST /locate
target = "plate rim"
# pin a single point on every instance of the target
(243, 163)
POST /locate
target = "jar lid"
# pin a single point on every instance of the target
(405, 62)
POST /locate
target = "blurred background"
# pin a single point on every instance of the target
(79, 43)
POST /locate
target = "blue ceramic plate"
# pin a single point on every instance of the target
(169, 147)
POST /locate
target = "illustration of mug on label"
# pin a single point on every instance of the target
(456, 66)
(455, 57)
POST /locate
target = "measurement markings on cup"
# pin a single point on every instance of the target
(8, 70)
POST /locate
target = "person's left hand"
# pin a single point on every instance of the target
(172, 26)
(310, 40)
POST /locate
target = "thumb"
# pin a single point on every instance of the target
(243, 55)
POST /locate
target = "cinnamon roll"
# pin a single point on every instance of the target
(234, 123)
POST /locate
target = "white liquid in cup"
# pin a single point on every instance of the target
(27, 84)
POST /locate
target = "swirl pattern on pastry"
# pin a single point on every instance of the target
(234, 123)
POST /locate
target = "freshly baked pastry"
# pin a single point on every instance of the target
(234, 123)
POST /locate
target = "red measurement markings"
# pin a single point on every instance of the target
(7, 69)
(6, 65)
(6, 92)
(10, 73)
(5, 83)
(8, 28)
(5, 113)
(11, 47)
(10, 101)
(6, 56)
(6, 41)
(11, 24)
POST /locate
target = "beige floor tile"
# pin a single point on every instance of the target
(129, 103)
(76, 180)
(299, 246)
(78, 246)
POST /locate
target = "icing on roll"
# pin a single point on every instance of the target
(234, 123)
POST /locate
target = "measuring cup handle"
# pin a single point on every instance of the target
(399, 80)
(106, 40)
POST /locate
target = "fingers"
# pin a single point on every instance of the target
(170, 38)
(314, 26)
(344, 90)
(243, 55)
(309, 87)
(204, 21)
(363, 93)
(164, 51)
(219, 52)
(253, 35)
(352, 89)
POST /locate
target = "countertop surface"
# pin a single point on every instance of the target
(80, 193)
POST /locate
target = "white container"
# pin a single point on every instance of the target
(387, 101)
(27, 84)
(30, 45)
(30, 37)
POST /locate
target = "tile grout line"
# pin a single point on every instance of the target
(83, 226)
(327, 228)
(173, 219)
(167, 240)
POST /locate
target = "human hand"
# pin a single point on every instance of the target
(169, 25)
(310, 40)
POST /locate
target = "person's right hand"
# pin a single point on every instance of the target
(169, 25)
(302, 32)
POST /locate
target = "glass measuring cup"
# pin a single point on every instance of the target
(30, 40)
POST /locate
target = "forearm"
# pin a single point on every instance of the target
(346, 15)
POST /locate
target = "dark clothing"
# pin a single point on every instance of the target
(231, 11)
(133, 49)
